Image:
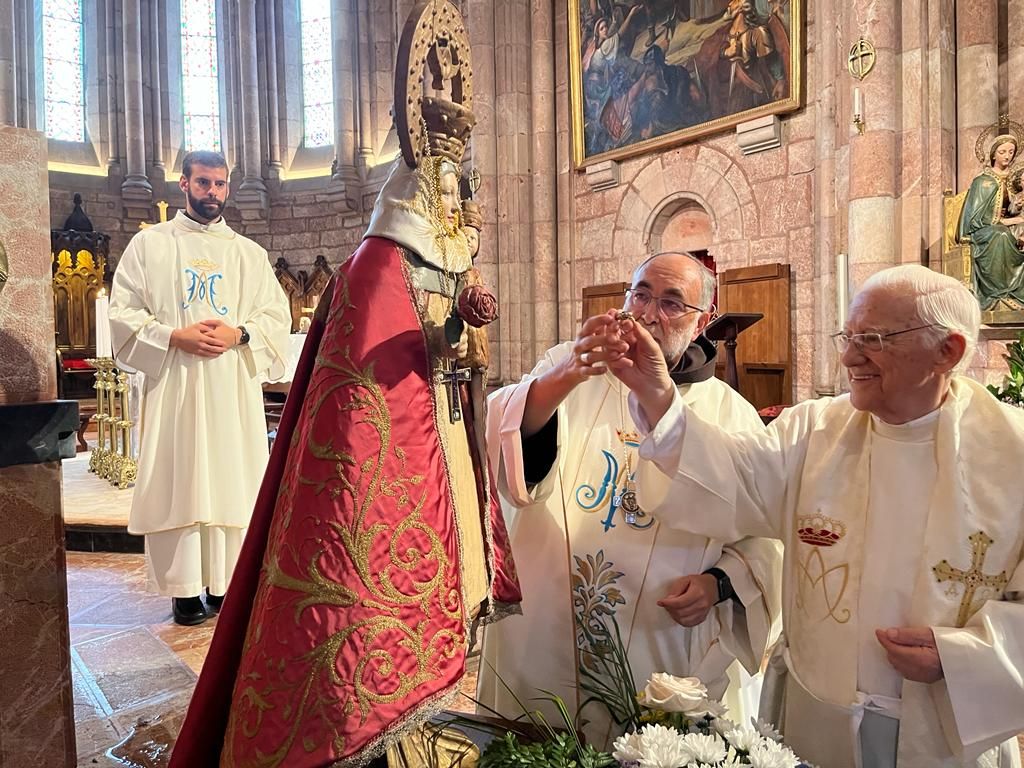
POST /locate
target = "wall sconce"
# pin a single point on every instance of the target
(858, 110)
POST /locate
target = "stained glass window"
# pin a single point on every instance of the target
(317, 73)
(63, 70)
(199, 74)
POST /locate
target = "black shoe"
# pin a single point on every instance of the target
(188, 611)
(213, 602)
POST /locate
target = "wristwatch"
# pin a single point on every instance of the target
(244, 338)
(725, 590)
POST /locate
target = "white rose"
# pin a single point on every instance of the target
(674, 694)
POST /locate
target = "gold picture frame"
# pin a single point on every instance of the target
(639, 86)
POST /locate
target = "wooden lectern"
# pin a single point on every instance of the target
(727, 328)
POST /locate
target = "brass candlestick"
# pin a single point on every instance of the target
(112, 459)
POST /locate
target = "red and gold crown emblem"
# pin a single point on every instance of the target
(820, 531)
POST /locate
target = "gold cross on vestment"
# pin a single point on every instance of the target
(974, 578)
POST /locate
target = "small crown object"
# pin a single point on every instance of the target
(203, 263)
(628, 437)
(820, 531)
(472, 216)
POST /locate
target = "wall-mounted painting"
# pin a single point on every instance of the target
(649, 74)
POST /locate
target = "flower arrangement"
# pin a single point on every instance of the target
(683, 728)
(671, 723)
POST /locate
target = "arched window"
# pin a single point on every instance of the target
(63, 70)
(199, 74)
(317, 73)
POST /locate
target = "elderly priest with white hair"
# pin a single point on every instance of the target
(902, 516)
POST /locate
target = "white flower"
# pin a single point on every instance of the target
(766, 729)
(673, 694)
(723, 725)
(628, 747)
(708, 707)
(706, 749)
(744, 738)
(769, 755)
(662, 747)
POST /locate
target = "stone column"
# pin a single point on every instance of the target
(871, 230)
(36, 709)
(136, 187)
(363, 65)
(828, 73)
(157, 29)
(252, 192)
(345, 174)
(939, 152)
(273, 96)
(1015, 60)
(8, 87)
(566, 200)
(977, 79)
(544, 208)
(113, 104)
(512, 103)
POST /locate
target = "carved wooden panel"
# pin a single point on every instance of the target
(763, 351)
(79, 272)
(302, 289)
(598, 299)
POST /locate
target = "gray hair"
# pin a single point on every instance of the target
(939, 300)
(708, 281)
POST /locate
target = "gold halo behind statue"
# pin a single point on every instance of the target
(434, 36)
(1004, 126)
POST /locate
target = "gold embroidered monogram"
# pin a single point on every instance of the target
(974, 578)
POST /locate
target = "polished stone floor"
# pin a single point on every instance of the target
(133, 668)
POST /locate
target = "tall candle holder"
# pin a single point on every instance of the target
(112, 459)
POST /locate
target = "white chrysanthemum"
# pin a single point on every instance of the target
(706, 749)
(732, 761)
(744, 738)
(722, 725)
(628, 747)
(768, 755)
(766, 729)
(662, 747)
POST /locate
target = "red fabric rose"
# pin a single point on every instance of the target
(478, 306)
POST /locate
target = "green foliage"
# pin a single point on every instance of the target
(560, 751)
(1012, 389)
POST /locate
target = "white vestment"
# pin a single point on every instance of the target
(576, 556)
(863, 553)
(203, 443)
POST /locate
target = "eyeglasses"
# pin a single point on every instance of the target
(870, 342)
(670, 308)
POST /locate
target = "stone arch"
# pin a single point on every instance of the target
(681, 222)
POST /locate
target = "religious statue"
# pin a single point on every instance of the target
(991, 221)
(378, 545)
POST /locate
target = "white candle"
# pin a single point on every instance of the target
(857, 106)
(103, 348)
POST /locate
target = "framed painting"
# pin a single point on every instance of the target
(650, 74)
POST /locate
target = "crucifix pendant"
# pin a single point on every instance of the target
(450, 376)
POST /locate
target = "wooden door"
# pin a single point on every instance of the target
(598, 299)
(763, 351)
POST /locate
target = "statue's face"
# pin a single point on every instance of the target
(473, 238)
(450, 203)
(1003, 155)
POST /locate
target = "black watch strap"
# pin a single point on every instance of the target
(244, 338)
(725, 590)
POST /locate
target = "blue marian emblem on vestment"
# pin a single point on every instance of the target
(616, 490)
(201, 287)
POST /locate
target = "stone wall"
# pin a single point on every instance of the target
(299, 224)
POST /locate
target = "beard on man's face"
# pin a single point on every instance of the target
(205, 207)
